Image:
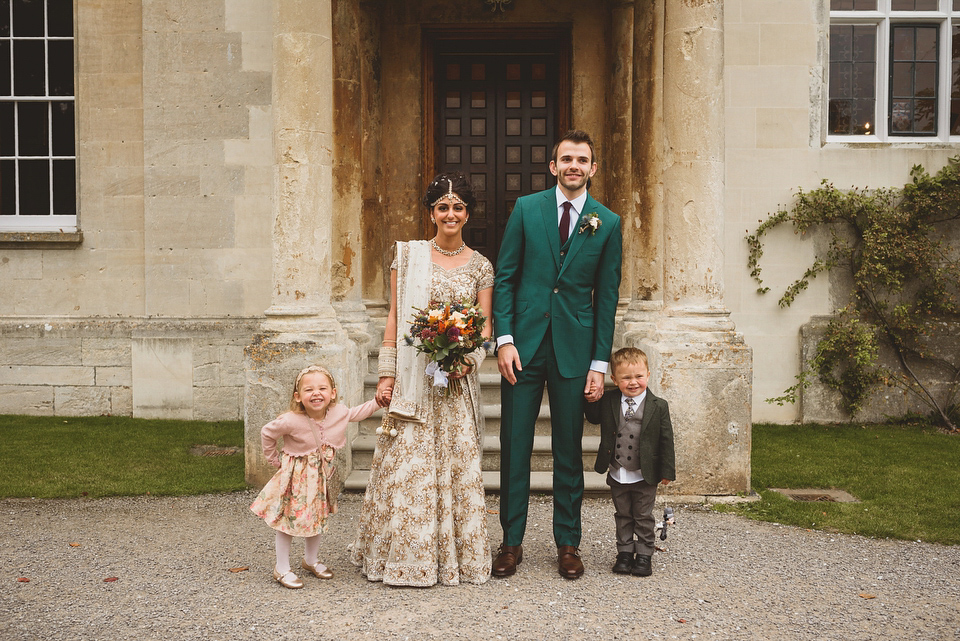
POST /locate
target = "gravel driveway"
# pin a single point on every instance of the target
(721, 577)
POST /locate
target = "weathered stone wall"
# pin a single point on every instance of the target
(775, 63)
(149, 368)
(820, 404)
(175, 167)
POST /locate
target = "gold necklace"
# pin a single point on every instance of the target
(444, 251)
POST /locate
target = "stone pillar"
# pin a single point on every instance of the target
(643, 221)
(698, 361)
(301, 325)
(348, 124)
(617, 165)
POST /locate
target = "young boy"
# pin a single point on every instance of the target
(636, 449)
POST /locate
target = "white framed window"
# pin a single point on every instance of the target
(894, 71)
(38, 167)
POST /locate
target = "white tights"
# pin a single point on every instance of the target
(311, 547)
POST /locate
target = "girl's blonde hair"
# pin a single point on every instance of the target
(297, 406)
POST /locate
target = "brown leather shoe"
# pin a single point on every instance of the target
(508, 558)
(568, 562)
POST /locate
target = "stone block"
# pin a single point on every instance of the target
(121, 401)
(114, 376)
(162, 378)
(82, 401)
(33, 400)
(41, 351)
(788, 44)
(741, 44)
(218, 403)
(783, 128)
(46, 375)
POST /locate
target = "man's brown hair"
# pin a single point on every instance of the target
(576, 136)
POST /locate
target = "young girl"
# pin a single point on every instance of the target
(298, 499)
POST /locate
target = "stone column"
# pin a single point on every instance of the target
(698, 361)
(348, 125)
(617, 166)
(643, 221)
(301, 326)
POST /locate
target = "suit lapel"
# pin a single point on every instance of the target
(548, 212)
(648, 410)
(578, 239)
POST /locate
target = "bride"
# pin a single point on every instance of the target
(423, 519)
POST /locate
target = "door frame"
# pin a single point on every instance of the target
(561, 33)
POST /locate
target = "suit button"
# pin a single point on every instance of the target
(556, 289)
(547, 315)
(563, 253)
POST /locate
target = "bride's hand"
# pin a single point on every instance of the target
(461, 370)
(385, 390)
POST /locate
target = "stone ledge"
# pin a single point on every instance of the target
(40, 239)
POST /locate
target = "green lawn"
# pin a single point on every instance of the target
(54, 456)
(907, 478)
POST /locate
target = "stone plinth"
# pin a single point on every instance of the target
(702, 367)
(272, 362)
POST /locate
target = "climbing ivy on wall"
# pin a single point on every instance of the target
(901, 250)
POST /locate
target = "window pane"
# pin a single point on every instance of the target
(924, 115)
(6, 129)
(955, 81)
(902, 79)
(914, 5)
(925, 85)
(28, 18)
(852, 88)
(4, 18)
(64, 142)
(32, 128)
(913, 80)
(853, 5)
(34, 187)
(903, 43)
(8, 187)
(60, 18)
(28, 65)
(64, 187)
(5, 68)
(61, 67)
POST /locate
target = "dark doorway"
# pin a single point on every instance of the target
(499, 106)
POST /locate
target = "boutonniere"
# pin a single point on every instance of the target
(590, 221)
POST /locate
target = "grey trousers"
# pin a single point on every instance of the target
(636, 527)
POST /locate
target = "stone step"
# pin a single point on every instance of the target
(541, 460)
(491, 413)
(593, 484)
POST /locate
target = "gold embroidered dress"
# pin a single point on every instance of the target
(423, 519)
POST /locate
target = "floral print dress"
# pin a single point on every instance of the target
(424, 518)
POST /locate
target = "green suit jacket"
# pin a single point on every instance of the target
(656, 435)
(575, 294)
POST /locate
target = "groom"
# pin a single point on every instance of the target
(555, 300)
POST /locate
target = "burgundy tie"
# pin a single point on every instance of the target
(565, 223)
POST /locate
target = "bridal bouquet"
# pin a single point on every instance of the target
(447, 332)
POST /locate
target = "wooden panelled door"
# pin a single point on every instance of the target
(497, 118)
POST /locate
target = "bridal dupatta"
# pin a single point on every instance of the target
(412, 387)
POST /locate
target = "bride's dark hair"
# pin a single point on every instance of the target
(443, 184)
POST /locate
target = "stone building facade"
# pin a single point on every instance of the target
(243, 167)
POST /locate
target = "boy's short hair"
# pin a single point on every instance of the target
(626, 355)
